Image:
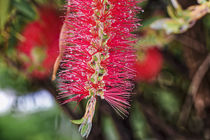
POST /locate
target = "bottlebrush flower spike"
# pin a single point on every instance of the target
(98, 59)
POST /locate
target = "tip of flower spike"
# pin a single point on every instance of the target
(85, 128)
(86, 121)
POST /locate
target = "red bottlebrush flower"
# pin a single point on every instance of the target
(39, 49)
(149, 67)
(98, 58)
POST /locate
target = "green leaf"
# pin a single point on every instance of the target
(172, 26)
(139, 123)
(109, 130)
(171, 12)
(4, 7)
(25, 8)
(77, 121)
(168, 101)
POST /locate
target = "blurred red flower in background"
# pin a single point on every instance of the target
(149, 67)
(39, 49)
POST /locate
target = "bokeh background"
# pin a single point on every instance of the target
(171, 99)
